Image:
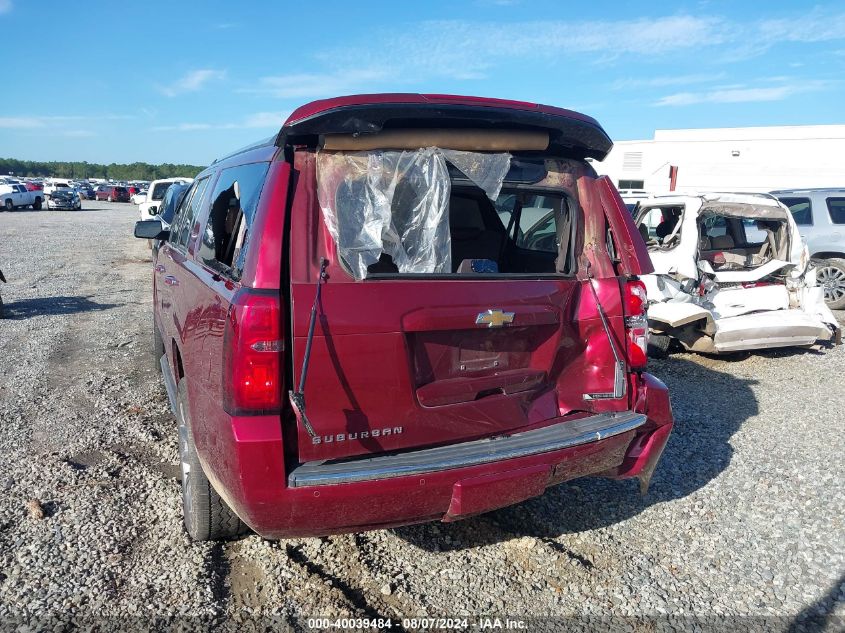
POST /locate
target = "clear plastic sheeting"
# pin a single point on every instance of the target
(488, 171)
(396, 203)
(388, 202)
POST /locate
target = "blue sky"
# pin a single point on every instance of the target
(107, 81)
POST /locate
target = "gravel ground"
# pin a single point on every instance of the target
(744, 516)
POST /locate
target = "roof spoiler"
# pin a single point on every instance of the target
(569, 133)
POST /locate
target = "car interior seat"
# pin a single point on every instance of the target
(664, 229)
(769, 248)
(471, 239)
(721, 242)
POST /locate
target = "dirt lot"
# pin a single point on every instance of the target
(744, 517)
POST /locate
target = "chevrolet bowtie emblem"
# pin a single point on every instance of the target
(494, 318)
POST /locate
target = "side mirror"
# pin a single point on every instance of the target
(151, 230)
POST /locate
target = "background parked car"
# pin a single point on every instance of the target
(155, 194)
(53, 185)
(633, 196)
(17, 196)
(820, 216)
(730, 273)
(64, 199)
(139, 197)
(112, 193)
(86, 191)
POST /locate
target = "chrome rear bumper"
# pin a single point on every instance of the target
(466, 454)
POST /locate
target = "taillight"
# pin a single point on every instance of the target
(252, 367)
(636, 323)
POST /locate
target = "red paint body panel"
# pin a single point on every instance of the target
(404, 355)
(472, 495)
(629, 243)
(263, 265)
(249, 471)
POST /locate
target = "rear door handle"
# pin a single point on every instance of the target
(159, 268)
(170, 280)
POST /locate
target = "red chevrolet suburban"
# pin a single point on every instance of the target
(403, 308)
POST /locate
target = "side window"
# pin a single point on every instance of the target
(753, 233)
(801, 209)
(191, 212)
(538, 219)
(660, 226)
(179, 214)
(171, 202)
(651, 221)
(537, 230)
(715, 226)
(836, 208)
(180, 230)
(233, 204)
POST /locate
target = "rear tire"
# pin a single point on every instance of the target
(206, 515)
(658, 345)
(37, 204)
(9, 205)
(830, 274)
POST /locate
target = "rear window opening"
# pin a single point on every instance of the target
(730, 236)
(434, 212)
(741, 243)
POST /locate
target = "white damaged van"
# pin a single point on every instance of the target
(730, 273)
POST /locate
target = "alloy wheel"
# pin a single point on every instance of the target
(832, 280)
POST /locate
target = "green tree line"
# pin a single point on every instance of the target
(112, 171)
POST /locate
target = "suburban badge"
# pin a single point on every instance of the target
(360, 435)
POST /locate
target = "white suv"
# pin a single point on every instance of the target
(53, 185)
(820, 216)
(155, 194)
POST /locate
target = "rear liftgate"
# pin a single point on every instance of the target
(405, 362)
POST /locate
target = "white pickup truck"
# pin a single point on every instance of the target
(14, 196)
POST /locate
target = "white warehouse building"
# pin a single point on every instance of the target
(731, 159)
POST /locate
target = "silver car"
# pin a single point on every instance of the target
(820, 216)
